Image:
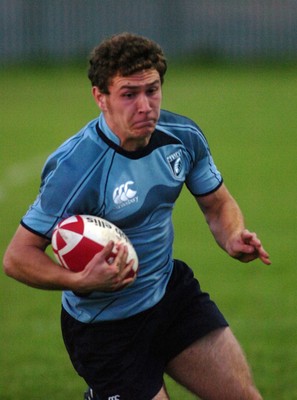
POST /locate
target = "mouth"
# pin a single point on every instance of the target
(145, 123)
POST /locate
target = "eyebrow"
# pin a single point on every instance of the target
(138, 86)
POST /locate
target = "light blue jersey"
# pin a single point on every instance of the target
(91, 174)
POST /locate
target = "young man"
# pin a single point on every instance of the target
(128, 166)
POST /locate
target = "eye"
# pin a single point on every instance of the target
(128, 95)
(153, 90)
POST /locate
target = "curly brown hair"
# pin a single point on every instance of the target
(124, 54)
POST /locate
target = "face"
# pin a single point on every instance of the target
(132, 107)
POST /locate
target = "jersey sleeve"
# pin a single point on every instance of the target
(49, 205)
(64, 185)
(204, 177)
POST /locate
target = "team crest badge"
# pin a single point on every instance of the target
(176, 163)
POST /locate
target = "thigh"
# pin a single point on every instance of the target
(215, 367)
(115, 358)
(188, 313)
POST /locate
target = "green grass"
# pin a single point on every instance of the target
(249, 117)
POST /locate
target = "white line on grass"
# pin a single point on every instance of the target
(18, 174)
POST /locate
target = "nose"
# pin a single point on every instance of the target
(144, 104)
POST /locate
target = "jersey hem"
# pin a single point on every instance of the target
(211, 191)
(34, 231)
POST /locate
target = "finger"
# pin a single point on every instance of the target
(120, 260)
(102, 256)
(247, 249)
(125, 275)
(128, 271)
(264, 256)
(128, 276)
(261, 252)
(265, 260)
(250, 238)
(254, 245)
(247, 235)
(246, 257)
(106, 251)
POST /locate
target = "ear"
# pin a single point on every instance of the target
(100, 98)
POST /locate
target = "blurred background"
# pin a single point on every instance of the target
(61, 30)
(232, 69)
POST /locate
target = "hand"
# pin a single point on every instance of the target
(245, 246)
(100, 275)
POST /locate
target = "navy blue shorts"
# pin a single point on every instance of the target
(128, 357)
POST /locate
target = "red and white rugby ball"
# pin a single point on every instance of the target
(78, 238)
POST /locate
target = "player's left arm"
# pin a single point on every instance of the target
(226, 223)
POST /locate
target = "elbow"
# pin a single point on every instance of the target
(8, 265)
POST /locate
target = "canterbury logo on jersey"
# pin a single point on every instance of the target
(124, 194)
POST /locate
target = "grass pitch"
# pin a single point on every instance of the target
(249, 117)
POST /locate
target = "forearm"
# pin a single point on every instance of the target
(223, 216)
(226, 223)
(36, 269)
(26, 261)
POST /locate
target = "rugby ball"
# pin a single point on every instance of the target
(78, 238)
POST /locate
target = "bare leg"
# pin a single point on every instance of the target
(215, 368)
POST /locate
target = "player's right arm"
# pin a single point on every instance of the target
(26, 261)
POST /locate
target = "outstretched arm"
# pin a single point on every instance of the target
(226, 223)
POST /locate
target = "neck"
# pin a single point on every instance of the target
(135, 144)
